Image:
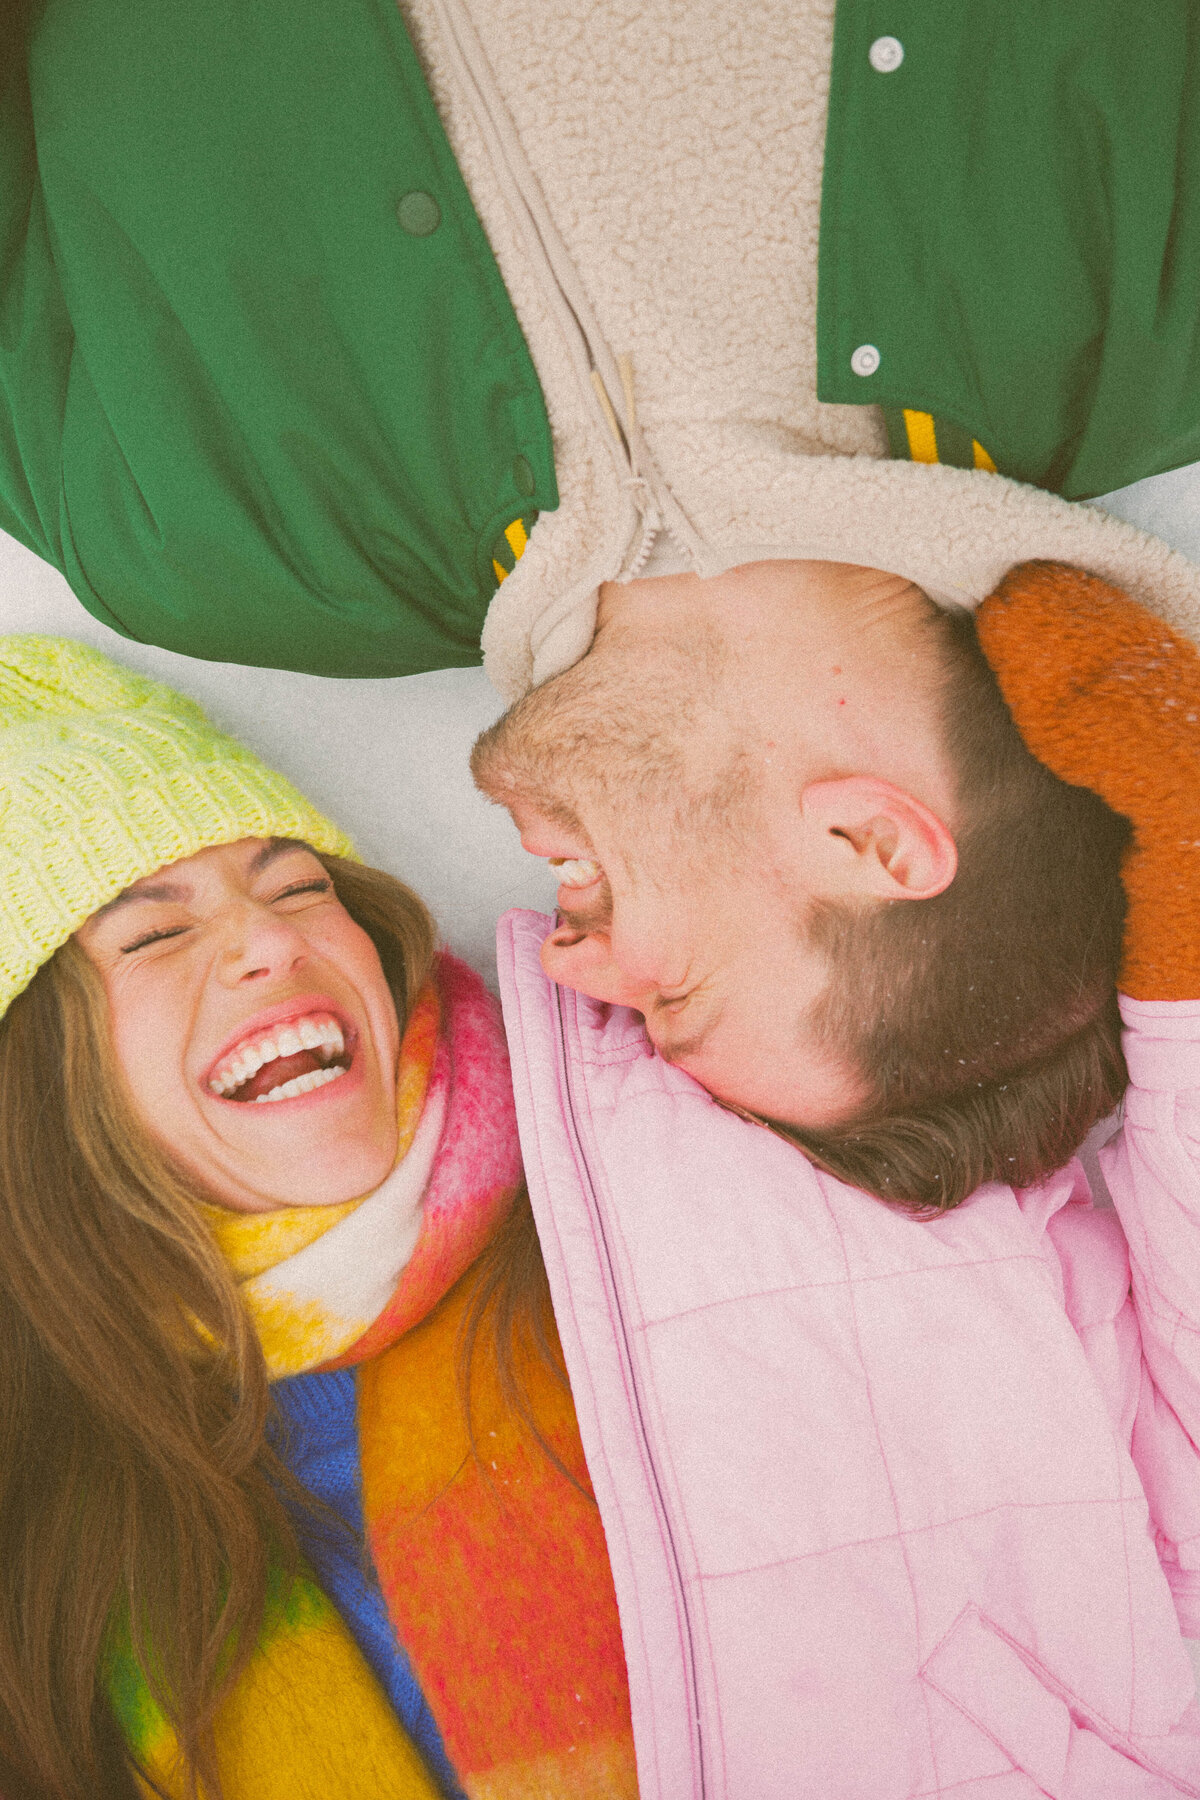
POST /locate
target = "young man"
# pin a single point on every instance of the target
(315, 322)
(896, 1505)
(799, 833)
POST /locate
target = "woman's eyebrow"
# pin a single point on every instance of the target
(146, 890)
(178, 890)
(270, 850)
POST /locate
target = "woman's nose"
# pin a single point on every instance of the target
(260, 944)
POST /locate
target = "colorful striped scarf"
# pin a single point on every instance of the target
(491, 1560)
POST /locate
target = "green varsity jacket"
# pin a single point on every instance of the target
(1010, 220)
(263, 395)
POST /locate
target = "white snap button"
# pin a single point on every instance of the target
(866, 360)
(885, 54)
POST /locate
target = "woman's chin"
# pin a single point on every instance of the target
(317, 1149)
(315, 1180)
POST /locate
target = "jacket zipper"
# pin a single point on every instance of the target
(637, 1414)
(608, 377)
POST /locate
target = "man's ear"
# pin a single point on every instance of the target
(865, 839)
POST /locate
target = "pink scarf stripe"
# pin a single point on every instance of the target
(478, 1165)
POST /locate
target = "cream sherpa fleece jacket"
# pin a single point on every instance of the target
(650, 178)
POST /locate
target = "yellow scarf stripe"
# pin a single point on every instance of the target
(416, 1064)
(306, 1716)
(254, 1242)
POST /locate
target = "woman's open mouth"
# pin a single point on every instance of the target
(284, 1061)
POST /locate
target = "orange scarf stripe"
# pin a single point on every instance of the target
(495, 1570)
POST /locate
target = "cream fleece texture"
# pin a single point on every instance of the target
(650, 178)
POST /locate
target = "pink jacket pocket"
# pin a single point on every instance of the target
(1046, 1732)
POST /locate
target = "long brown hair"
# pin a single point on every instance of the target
(136, 1478)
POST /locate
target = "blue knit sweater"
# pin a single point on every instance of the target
(316, 1434)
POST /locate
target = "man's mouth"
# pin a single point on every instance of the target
(283, 1061)
(575, 871)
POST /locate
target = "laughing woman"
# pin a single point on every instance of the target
(291, 1496)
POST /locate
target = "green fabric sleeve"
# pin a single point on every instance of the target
(35, 332)
(1011, 217)
(265, 396)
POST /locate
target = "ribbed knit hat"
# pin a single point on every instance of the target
(104, 778)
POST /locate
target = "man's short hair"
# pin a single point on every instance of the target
(983, 1021)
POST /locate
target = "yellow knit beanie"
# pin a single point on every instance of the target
(104, 778)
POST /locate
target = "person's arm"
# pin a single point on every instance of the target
(1108, 697)
(35, 330)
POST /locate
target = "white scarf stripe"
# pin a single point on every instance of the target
(352, 1271)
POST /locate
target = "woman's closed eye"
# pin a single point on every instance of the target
(152, 937)
(317, 884)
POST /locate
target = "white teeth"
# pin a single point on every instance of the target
(318, 1032)
(300, 1084)
(575, 871)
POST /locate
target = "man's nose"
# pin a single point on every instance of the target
(260, 944)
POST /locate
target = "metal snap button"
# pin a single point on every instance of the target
(865, 360)
(885, 54)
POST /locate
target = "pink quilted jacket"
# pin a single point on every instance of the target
(895, 1509)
